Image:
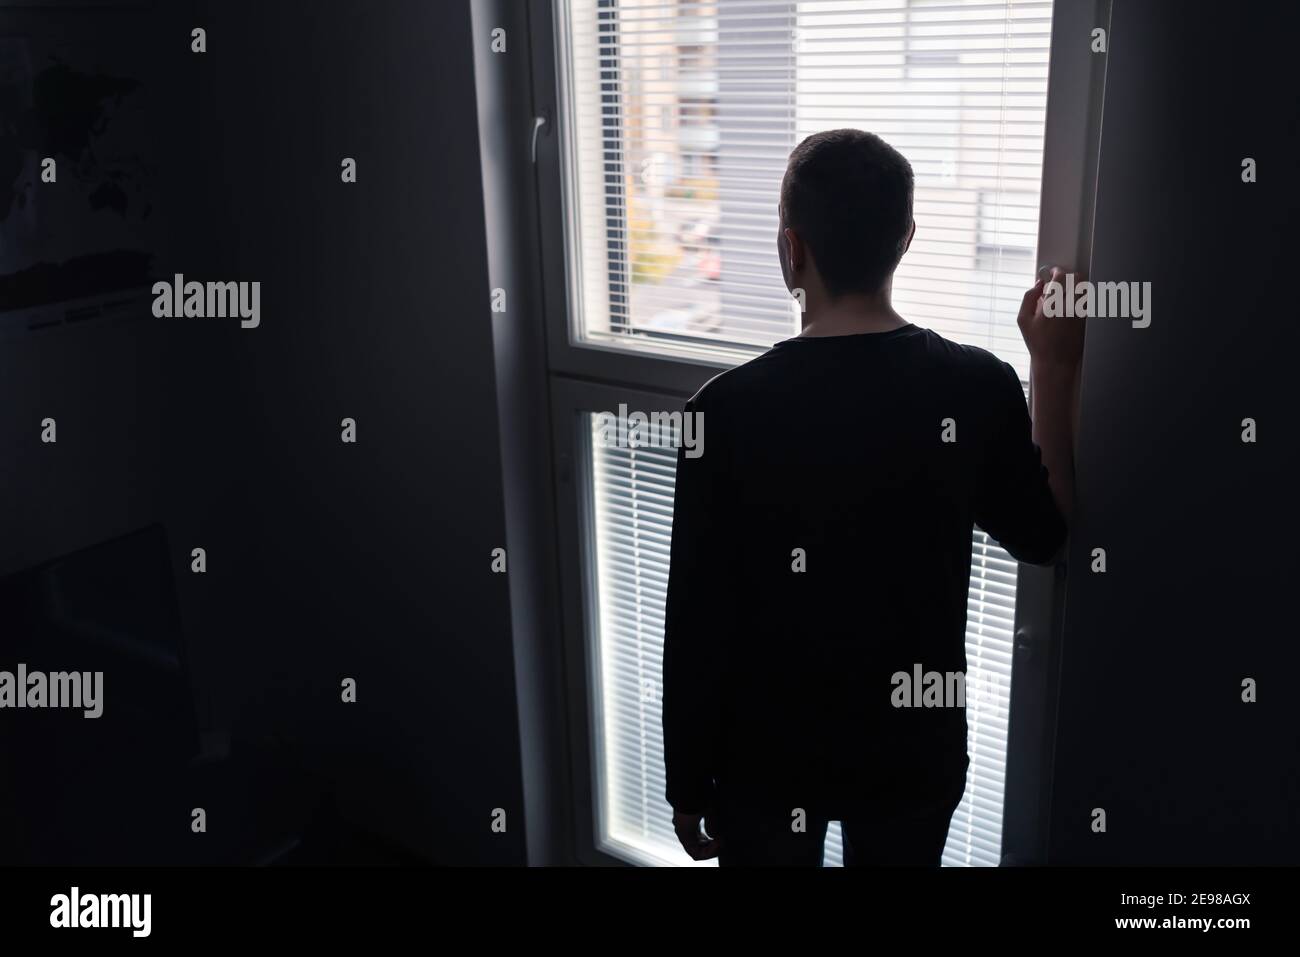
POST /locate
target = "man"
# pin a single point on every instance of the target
(822, 545)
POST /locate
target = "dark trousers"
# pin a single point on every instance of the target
(872, 837)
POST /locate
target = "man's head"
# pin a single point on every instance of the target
(846, 212)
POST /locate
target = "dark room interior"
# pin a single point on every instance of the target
(365, 585)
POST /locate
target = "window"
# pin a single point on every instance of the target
(632, 528)
(633, 516)
(677, 118)
(681, 117)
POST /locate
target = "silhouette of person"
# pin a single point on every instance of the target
(821, 545)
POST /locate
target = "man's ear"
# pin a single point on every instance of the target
(794, 249)
(910, 233)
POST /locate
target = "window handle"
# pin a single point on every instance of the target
(538, 123)
(1025, 644)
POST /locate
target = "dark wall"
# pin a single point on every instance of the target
(1198, 527)
(325, 560)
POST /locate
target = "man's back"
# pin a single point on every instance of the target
(821, 545)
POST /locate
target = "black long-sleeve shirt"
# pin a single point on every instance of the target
(862, 460)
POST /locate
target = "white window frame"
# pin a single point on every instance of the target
(590, 377)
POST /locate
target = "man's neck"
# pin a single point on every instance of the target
(851, 315)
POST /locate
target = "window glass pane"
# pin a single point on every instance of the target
(681, 118)
(632, 496)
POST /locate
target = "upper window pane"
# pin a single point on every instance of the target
(681, 116)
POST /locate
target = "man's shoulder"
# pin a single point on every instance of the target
(955, 362)
(735, 381)
(973, 373)
(960, 355)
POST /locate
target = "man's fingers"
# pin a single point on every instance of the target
(702, 850)
(1033, 291)
(1030, 303)
(688, 834)
(1031, 306)
(694, 841)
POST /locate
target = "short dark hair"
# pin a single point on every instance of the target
(848, 194)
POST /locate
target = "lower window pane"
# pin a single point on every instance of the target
(632, 496)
